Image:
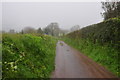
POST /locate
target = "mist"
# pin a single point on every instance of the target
(18, 15)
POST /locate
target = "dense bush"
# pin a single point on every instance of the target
(106, 32)
(27, 56)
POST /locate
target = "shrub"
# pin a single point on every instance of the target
(28, 56)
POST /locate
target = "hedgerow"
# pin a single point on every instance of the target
(27, 56)
(106, 32)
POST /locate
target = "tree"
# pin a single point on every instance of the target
(52, 29)
(12, 31)
(21, 32)
(39, 31)
(47, 30)
(29, 30)
(74, 28)
(111, 9)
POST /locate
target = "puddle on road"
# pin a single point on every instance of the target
(61, 44)
(67, 50)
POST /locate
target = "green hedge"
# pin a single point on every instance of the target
(106, 32)
(27, 56)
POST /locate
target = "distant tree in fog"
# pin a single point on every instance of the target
(52, 29)
(21, 32)
(74, 28)
(2, 31)
(39, 30)
(12, 31)
(47, 30)
(28, 30)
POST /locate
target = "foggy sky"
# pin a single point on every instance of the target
(17, 15)
(0, 16)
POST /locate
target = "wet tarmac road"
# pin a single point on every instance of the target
(70, 63)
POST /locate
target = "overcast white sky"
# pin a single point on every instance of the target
(17, 15)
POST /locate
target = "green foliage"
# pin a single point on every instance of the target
(27, 56)
(106, 32)
(111, 9)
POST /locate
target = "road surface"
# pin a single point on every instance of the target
(70, 63)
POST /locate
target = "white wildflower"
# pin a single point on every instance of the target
(11, 63)
(11, 44)
(20, 56)
(15, 67)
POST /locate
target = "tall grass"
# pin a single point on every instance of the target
(105, 55)
(27, 56)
